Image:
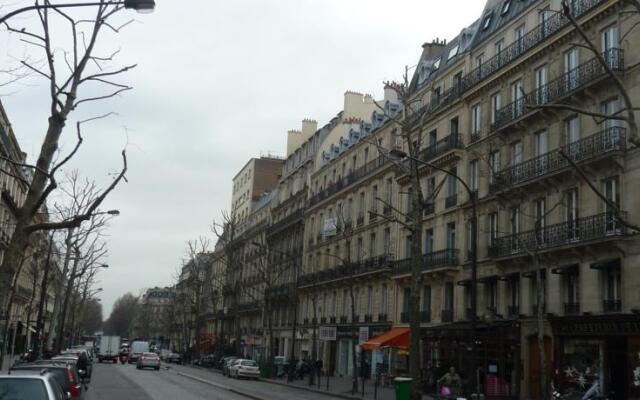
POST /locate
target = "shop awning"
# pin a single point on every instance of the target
(396, 337)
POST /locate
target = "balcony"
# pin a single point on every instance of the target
(343, 319)
(404, 317)
(451, 201)
(558, 88)
(436, 259)
(382, 318)
(425, 316)
(609, 141)
(447, 316)
(530, 40)
(290, 219)
(441, 147)
(350, 179)
(368, 318)
(596, 227)
(513, 311)
(367, 266)
(611, 305)
(571, 308)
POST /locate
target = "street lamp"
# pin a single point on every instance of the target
(141, 6)
(113, 212)
(399, 154)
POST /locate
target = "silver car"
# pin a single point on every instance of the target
(30, 385)
(148, 360)
(244, 369)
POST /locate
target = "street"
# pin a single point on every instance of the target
(126, 382)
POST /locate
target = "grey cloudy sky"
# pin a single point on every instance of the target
(217, 83)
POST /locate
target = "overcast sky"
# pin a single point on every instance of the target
(218, 82)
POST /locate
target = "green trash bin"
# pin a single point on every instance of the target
(403, 388)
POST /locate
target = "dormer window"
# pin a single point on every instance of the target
(436, 64)
(487, 21)
(453, 52)
(506, 6)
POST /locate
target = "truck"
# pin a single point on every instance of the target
(136, 349)
(109, 349)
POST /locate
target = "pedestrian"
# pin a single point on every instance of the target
(450, 382)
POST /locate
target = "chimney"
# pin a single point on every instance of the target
(309, 128)
(352, 103)
(294, 140)
(390, 95)
(433, 49)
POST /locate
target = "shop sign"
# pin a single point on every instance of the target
(327, 333)
(363, 334)
(610, 327)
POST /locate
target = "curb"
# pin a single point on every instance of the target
(312, 390)
(230, 389)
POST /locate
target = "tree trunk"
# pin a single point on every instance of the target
(43, 297)
(354, 333)
(65, 304)
(34, 286)
(7, 315)
(59, 291)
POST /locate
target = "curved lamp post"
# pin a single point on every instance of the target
(141, 6)
(399, 154)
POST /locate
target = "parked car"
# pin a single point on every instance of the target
(148, 360)
(66, 374)
(227, 365)
(207, 361)
(174, 358)
(223, 361)
(73, 359)
(31, 385)
(244, 369)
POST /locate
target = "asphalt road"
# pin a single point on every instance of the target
(124, 382)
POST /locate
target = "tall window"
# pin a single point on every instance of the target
(612, 194)
(494, 163)
(493, 228)
(540, 219)
(374, 198)
(388, 190)
(542, 79)
(499, 46)
(426, 298)
(496, 105)
(491, 288)
(476, 121)
(406, 300)
(571, 215)
(517, 151)
(345, 302)
(454, 126)
(572, 133)
(515, 228)
(428, 241)
(571, 60)
(432, 138)
(452, 183)
(370, 300)
(373, 251)
(448, 296)
(612, 280)
(517, 94)
(519, 36)
(479, 60)
(387, 241)
(572, 289)
(513, 291)
(407, 246)
(543, 20)
(384, 300)
(610, 38)
(361, 206)
(474, 174)
(541, 152)
(451, 235)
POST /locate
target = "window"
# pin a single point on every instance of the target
(334, 304)
(542, 89)
(433, 138)
(387, 241)
(454, 126)
(453, 52)
(516, 152)
(540, 219)
(369, 300)
(428, 241)
(517, 93)
(487, 21)
(356, 301)
(406, 300)
(494, 163)
(361, 205)
(571, 67)
(571, 213)
(426, 299)
(469, 239)
(519, 36)
(388, 190)
(496, 105)
(572, 133)
(610, 39)
(513, 293)
(479, 60)
(374, 199)
(612, 194)
(505, 7)
(407, 246)
(384, 300)
(359, 249)
(610, 107)
(572, 289)
(476, 121)
(541, 143)
(452, 182)
(345, 296)
(491, 293)
(474, 174)
(366, 156)
(515, 227)
(373, 251)
(451, 235)
(448, 296)
(612, 280)
(499, 46)
(493, 228)
(543, 20)
(436, 64)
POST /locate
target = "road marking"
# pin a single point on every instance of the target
(230, 389)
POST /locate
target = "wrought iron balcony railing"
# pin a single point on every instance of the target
(509, 54)
(571, 308)
(404, 317)
(332, 320)
(343, 319)
(368, 318)
(595, 227)
(513, 311)
(382, 318)
(425, 316)
(292, 218)
(373, 214)
(350, 179)
(369, 265)
(436, 259)
(441, 147)
(560, 87)
(608, 141)
(611, 305)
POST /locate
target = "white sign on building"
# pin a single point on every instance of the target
(363, 335)
(330, 227)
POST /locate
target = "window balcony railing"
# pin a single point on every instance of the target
(531, 39)
(343, 319)
(451, 201)
(534, 309)
(382, 318)
(360, 219)
(559, 87)
(350, 179)
(290, 219)
(510, 53)
(441, 147)
(323, 320)
(608, 141)
(436, 259)
(369, 265)
(429, 208)
(368, 318)
(571, 308)
(404, 317)
(447, 316)
(373, 214)
(596, 227)
(355, 319)
(611, 305)
(305, 321)
(425, 316)
(474, 137)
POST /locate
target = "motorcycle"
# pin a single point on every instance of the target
(123, 358)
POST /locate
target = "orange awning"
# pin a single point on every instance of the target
(396, 337)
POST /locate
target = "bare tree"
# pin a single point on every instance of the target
(82, 67)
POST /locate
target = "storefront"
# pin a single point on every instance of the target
(602, 350)
(346, 337)
(385, 349)
(497, 357)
